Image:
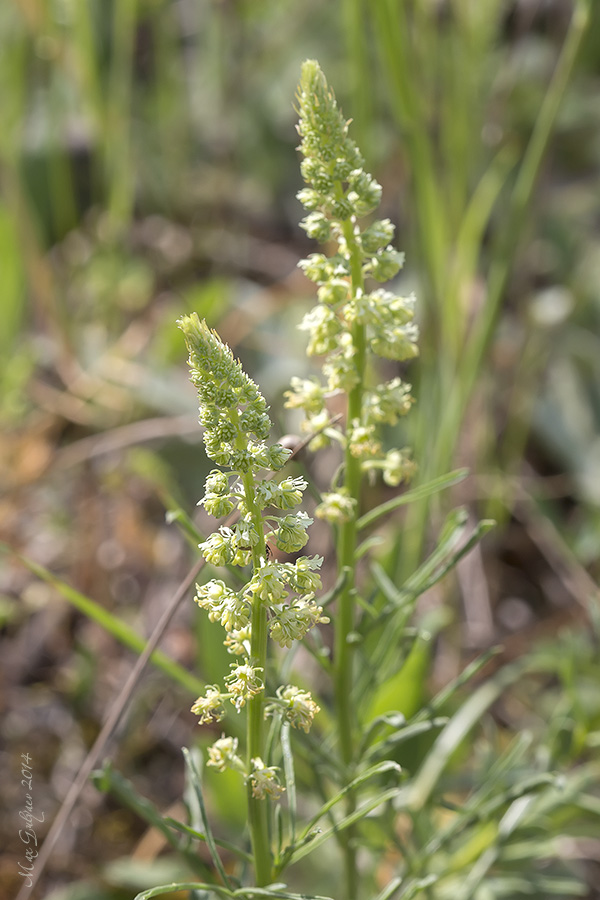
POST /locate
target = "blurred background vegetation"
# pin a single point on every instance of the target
(148, 168)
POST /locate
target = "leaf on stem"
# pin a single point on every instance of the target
(193, 764)
(419, 493)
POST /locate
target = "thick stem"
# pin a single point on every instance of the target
(258, 809)
(343, 663)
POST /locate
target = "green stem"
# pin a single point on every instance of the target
(257, 808)
(343, 662)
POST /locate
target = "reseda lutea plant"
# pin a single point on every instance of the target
(412, 840)
(278, 600)
(350, 327)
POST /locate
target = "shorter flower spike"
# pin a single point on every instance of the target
(278, 598)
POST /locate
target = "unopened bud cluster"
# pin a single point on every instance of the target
(338, 193)
(237, 427)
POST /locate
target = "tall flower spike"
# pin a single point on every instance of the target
(353, 321)
(348, 319)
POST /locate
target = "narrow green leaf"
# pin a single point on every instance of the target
(115, 626)
(290, 778)
(386, 747)
(183, 886)
(108, 780)
(419, 493)
(374, 540)
(311, 842)
(331, 595)
(390, 889)
(378, 769)
(200, 836)
(417, 886)
(274, 891)
(465, 676)
(193, 763)
(455, 731)
(443, 559)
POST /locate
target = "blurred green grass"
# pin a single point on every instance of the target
(147, 168)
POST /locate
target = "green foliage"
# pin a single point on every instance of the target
(434, 790)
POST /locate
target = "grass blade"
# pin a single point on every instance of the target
(108, 780)
(113, 625)
(290, 777)
(418, 493)
(193, 763)
(454, 733)
(183, 886)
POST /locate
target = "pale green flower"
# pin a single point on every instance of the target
(209, 707)
(297, 706)
(212, 596)
(291, 623)
(232, 409)
(384, 265)
(237, 426)
(238, 641)
(388, 402)
(223, 755)
(268, 582)
(223, 605)
(244, 682)
(317, 226)
(291, 533)
(336, 506)
(236, 613)
(217, 482)
(245, 534)
(324, 327)
(217, 549)
(339, 368)
(306, 393)
(339, 192)
(319, 424)
(362, 440)
(324, 269)
(284, 495)
(377, 236)
(277, 456)
(301, 574)
(330, 155)
(397, 466)
(216, 505)
(264, 780)
(334, 291)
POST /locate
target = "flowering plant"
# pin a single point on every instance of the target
(278, 600)
(349, 326)
(356, 788)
